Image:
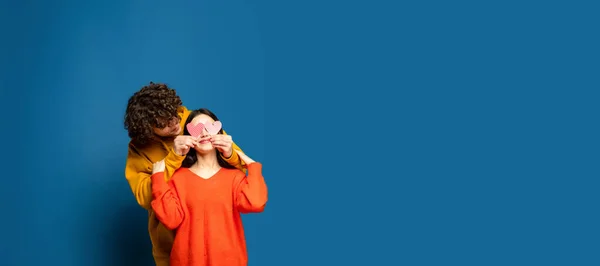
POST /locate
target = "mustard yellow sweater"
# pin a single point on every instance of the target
(138, 170)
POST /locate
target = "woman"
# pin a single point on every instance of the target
(204, 199)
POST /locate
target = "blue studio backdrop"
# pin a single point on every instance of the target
(391, 132)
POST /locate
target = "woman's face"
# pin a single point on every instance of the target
(205, 144)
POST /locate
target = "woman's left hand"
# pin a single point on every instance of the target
(223, 143)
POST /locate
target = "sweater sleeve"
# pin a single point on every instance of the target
(137, 173)
(234, 159)
(166, 202)
(251, 191)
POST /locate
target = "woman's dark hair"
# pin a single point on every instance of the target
(191, 158)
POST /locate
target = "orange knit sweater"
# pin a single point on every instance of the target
(206, 213)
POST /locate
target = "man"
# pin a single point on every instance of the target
(154, 119)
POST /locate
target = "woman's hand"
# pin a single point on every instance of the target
(223, 143)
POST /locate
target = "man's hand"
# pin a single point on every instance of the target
(245, 158)
(158, 167)
(183, 144)
(223, 143)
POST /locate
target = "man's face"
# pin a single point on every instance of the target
(172, 129)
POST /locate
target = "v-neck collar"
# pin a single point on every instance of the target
(206, 178)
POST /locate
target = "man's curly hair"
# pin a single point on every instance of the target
(152, 106)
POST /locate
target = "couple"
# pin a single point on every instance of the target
(191, 184)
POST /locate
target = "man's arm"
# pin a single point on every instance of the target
(138, 171)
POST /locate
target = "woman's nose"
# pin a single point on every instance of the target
(204, 132)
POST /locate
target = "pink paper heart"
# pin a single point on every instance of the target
(213, 128)
(195, 130)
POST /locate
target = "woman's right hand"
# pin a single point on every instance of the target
(247, 160)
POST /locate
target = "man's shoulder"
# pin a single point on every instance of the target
(151, 144)
(146, 148)
(183, 113)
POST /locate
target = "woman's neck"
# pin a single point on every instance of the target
(207, 161)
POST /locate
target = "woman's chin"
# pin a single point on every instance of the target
(204, 148)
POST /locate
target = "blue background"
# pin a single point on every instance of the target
(392, 133)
